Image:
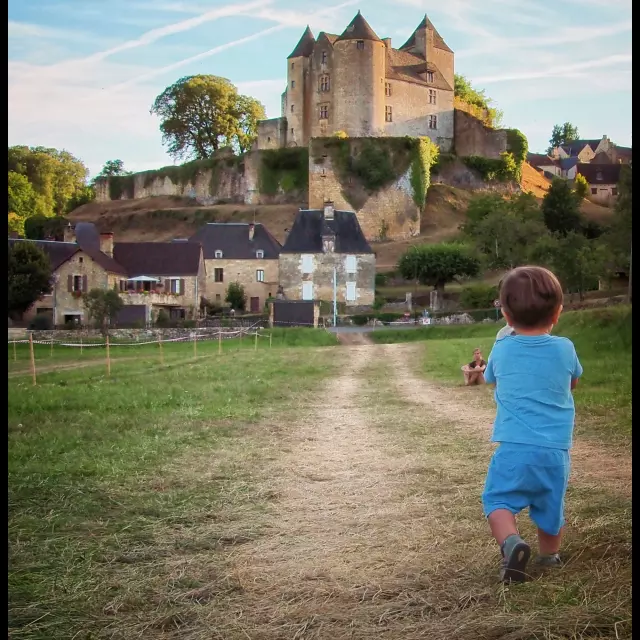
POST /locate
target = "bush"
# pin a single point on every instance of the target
(360, 320)
(163, 320)
(41, 322)
(381, 279)
(478, 296)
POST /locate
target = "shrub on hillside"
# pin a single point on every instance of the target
(41, 322)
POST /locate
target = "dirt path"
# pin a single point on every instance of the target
(353, 338)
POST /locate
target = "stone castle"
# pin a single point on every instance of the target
(357, 83)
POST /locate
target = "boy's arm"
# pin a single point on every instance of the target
(489, 374)
(576, 373)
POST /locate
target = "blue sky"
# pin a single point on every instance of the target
(84, 73)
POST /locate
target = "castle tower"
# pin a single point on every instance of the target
(359, 59)
(296, 107)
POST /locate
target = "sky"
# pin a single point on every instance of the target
(83, 74)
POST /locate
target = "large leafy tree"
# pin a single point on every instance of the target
(44, 227)
(113, 168)
(561, 208)
(562, 134)
(438, 264)
(618, 237)
(24, 202)
(201, 114)
(29, 276)
(103, 306)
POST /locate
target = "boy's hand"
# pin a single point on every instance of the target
(574, 383)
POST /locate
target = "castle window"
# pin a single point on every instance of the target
(432, 96)
(324, 57)
(360, 44)
(259, 254)
(293, 84)
(324, 83)
(218, 253)
(387, 88)
(291, 108)
(429, 76)
(324, 111)
(293, 64)
(433, 122)
(291, 130)
(388, 116)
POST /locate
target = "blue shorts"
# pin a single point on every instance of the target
(521, 476)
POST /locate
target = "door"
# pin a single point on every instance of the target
(255, 305)
(307, 290)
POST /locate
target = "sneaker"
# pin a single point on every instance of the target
(515, 555)
(551, 560)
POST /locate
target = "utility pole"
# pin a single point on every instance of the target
(335, 295)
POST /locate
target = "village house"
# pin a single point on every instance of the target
(359, 84)
(601, 151)
(603, 181)
(324, 244)
(243, 253)
(150, 276)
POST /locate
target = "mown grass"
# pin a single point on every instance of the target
(118, 487)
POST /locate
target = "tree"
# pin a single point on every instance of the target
(562, 134)
(236, 296)
(24, 202)
(464, 91)
(29, 276)
(581, 186)
(112, 168)
(201, 114)
(43, 227)
(103, 306)
(618, 237)
(437, 264)
(561, 208)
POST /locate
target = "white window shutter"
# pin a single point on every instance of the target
(307, 263)
(351, 264)
(307, 290)
(351, 291)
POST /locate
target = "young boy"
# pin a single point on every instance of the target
(534, 374)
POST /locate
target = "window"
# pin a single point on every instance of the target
(351, 264)
(123, 285)
(598, 176)
(259, 254)
(307, 290)
(432, 96)
(387, 88)
(388, 117)
(324, 57)
(360, 44)
(293, 84)
(351, 291)
(291, 130)
(324, 83)
(293, 64)
(218, 297)
(307, 263)
(324, 111)
(218, 275)
(594, 191)
(80, 259)
(614, 191)
(268, 139)
(260, 275)
(429, 76)
(175, 286)
(433, 122)
(291, 108)
(77, 283)
(218, 253)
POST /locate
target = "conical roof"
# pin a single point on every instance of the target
(438, 41)
(304, 46)
(359, 29)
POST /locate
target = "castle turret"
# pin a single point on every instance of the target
(359, 58)
(295, 110)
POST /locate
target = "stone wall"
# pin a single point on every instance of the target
(473, 138)
(456, 174)
(134, 335)
(292, 277)
(272, 134)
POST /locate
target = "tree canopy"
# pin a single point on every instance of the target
(112, 168)
(203, 113)
(561, 208)
(438, 264)
(562, 134)
(236, 296)
(29, 276)
(103, 306)
(478, 100)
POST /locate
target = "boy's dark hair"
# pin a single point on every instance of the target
(530, 296)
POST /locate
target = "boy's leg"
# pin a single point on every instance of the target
(549, 545)
(502, 524)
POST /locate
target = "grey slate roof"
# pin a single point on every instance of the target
(232, 238)
(359, 29)
(304, 46)
(568, 163)
(57, 252)
(540, 160)
(88, 238)
(438, 41)
(600, 173)
(575, 147)
(158, 258)
(310, 224)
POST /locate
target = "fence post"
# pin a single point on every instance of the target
(108, 357)
(195, 344)
(161, 351)
(15, 357)
(51, 353)
(255, 341)
(80, 346)
(219, 340)
(270, 337)
(33, 359)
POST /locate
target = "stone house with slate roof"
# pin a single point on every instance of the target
(603, 181)
(323, 242)
(358, 83)
(243, 253)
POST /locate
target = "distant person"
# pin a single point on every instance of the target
(474, 371)
(534, 374)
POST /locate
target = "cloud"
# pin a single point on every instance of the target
(25, 30)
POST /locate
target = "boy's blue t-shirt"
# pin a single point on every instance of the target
(533, 377)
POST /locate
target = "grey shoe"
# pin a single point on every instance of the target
(551, 560)
(515, 554)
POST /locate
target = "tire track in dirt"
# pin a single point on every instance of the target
(593, 465)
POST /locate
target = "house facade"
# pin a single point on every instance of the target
(243, 253)
(326, 251)
(603, 181)
(359, 84)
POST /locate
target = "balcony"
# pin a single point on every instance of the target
(153, 297)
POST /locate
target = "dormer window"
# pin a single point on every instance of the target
(218, 253)
(324, 57)
(429, 76)
(598, 175)
(360, 44)
(324, 83)
(260, 254)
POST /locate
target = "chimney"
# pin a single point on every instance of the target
(328, 210)
(387, 42)
(69, 234)
(252, 230)
(106, 243)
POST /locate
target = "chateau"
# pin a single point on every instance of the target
(357, 83)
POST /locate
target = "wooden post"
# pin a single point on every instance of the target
(270, 337)
(219, 340)
(161, 351)
(195, 344)
(108, 358)
(80, 346)
(51, 353)
(33, 359)
(255, 341)
(15, 357)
